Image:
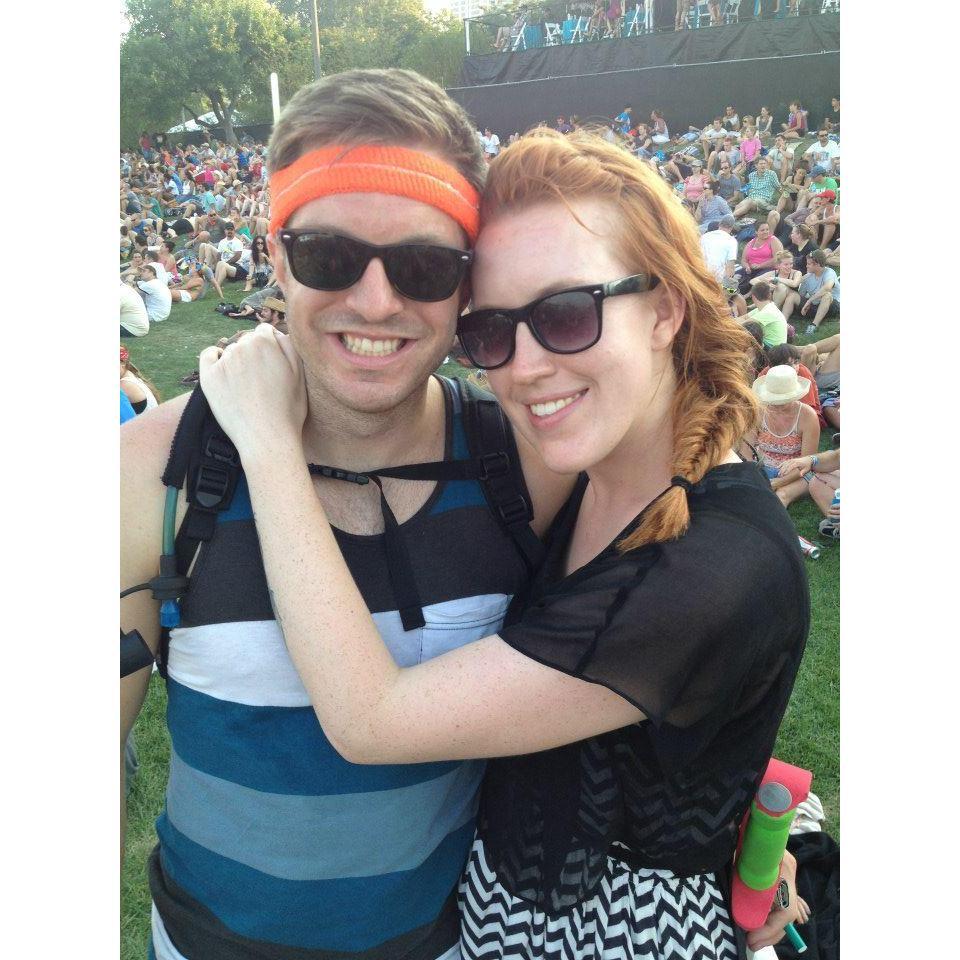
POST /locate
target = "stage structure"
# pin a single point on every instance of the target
(690, 75)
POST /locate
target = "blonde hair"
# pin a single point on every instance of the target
(713, 405)
(366, 107)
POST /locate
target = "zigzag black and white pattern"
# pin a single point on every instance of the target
(634, 915)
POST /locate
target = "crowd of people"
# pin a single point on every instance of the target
(333, 763)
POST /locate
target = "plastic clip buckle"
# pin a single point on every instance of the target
(494, 465)
(515, 511)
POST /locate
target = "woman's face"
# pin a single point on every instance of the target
(608, 390)
(763, 231)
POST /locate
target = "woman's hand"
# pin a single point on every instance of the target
(256, 391)
(797, 912)
(796, 467)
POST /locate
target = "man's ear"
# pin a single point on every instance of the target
(670, 309)
(278, 257)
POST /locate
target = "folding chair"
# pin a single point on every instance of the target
(698, 15)
(580, 30)
(830, 6)
(554, 34)
(518, 41)
(633, 22)
(731, 11)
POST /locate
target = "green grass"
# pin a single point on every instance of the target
(809, 736)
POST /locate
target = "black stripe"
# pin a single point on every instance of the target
(229, 584)
(199, 935)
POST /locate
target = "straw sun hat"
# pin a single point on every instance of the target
(780, 385)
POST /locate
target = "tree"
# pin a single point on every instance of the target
(201, 56)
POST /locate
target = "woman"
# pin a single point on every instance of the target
(750, 147)
(759, 256)
(788, 428)
(613, 16)
(788, 197)
(783, 278)
(581, 695)
(764, 122)
(141, 393)
(259, 269)
(694, 184)
(659, 132)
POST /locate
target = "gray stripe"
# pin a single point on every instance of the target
(321, 837)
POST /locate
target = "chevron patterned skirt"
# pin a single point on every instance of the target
(634, 914)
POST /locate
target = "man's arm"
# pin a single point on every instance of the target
(824, 288)
(144, 447)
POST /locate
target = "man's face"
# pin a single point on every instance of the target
(717, 124)
(761, 166)
(823, 138)
(725, 170)
(814, 267)
(330, 329)
(707, 191)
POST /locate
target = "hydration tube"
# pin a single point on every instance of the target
(170, 608)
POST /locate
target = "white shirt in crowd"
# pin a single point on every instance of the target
(491, 144)
(162, 274)
(133, 313)
(227, 247)
(824, 155)
(718, 247)
(245, 259)
(156, 296)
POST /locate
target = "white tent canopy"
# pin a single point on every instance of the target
(191, 125)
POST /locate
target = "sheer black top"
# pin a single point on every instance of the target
(704, 635)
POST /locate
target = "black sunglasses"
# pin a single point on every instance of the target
(418, 271)
(568, 321)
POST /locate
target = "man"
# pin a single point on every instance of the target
(271, 845)
(720, 248)
(711, 137)
(819, 291)
(491, 144)
(825, 220)
(728, 153)
(824, 153)
(134, 321)
(766, 313)
(229, 250)
(562, 127)
(762, 186)
(210, 230)
(819, 182)
(729, 185)
(624, 120)
(710, 209)
(156, 293)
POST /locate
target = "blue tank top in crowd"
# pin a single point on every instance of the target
(271, 845)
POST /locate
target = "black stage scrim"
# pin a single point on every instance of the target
(690, 75)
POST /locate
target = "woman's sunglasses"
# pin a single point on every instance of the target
(569, 321)
(417, 271)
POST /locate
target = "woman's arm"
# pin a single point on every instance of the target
(371, 710)
(809, 431)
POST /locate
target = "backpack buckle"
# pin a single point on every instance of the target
(515, 511)
(494, 465)
(212, 485)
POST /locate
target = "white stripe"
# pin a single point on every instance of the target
(162, 946)
(247, 662)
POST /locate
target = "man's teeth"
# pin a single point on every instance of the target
(552, 406)
(370, 348)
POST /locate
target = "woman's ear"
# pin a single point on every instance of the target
(670, 309)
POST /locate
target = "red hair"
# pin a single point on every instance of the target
(713, 405)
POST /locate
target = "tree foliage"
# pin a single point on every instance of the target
(198, 56)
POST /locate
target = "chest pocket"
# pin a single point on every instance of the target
(456, 622)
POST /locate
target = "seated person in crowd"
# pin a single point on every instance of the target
(796, 126)
(764, 122)
(730, 119)
(818, 183)
(711, 209)
(750, 147)
(786, 353)
(788, 429)
(823, 358)
(799, 246)
(767, 314)
(824, 152)
(229, 250)
(729, 185)
(759, 256)
(824, 220)
(694, 183)
(784, 278)
(818, 295)
(789, 192)
(141, 393)
(193, 282)
(134, 321)
(719, 248)
(711, 138)
(156, 293)
(821, 473)
(210, 230)
(763, 185)
(779, 158)
(729, 152)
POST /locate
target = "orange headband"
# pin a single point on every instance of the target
(374, 169)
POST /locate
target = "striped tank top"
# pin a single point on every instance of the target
(271, 845)
(776, 449)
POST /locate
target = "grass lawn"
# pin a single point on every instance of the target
(810, 736)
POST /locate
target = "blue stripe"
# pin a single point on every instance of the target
(274, 749)
(459, 493)
(321, 838)
(240, 506)
(349, 915)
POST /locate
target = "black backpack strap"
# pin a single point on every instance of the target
(491, 442)
(203, 458)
